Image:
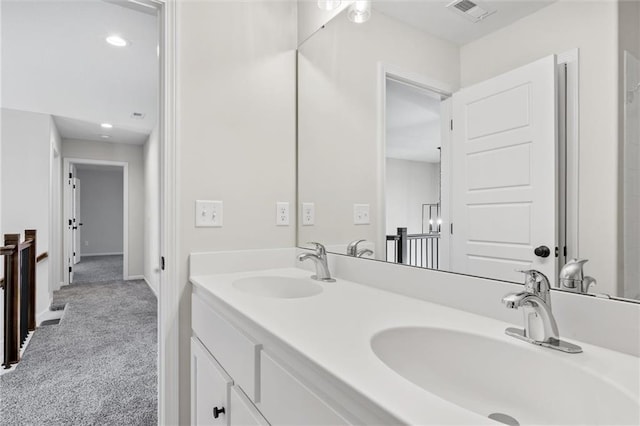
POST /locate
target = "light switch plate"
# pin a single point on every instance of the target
(308, 214)
(282, 213)
(361, 214)
(208, 214)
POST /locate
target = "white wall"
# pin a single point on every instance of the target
(236, 132)
(26, 150)
(56, 259)
(101, 211)
(409, 185)
(593, 28)
(311, 18)
(131, 154)
(338, 157)
(151, 157)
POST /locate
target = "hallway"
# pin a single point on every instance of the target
(94, 269)
(97, 366)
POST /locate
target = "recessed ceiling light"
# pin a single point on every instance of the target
(105, 136)
(106, 125)
(117, 41)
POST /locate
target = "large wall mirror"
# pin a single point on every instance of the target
(479, 138)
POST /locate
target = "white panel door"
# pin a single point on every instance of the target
(76, 221)
(504, 173)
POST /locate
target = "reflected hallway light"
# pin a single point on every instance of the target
(329, 4)
(360, 11)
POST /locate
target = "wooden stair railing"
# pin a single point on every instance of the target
(19, 292)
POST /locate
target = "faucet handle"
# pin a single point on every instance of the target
(537, 283)
(320, 249)
(532, 274)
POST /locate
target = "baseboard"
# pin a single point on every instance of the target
(134, 277)
(100, 254)
(150, 286)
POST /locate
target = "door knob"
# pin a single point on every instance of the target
(542, 251)
(217, 411)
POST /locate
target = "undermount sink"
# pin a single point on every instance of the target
(508, 382)
(278, 287)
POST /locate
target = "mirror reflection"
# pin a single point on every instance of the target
(481, 138)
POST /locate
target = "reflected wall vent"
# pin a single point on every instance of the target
(470, 10)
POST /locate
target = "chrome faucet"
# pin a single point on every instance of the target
(572, 277)
(540, 327)
(352, 249)
(319, 258)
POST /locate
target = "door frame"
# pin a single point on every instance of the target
(169, 290)
(393, 72)
(69, 162)
(571, 59)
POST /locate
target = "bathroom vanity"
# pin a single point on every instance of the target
(272, 346)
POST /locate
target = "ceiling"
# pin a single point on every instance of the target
(412, 123)
(55, 61)
(432, 16)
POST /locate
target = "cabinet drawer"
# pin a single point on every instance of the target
(210, 387)
(243, 412)
(286, 401)
(235, 351)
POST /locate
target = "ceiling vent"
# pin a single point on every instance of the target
(138, 115)
(470, 10)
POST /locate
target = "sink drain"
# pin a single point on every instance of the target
(504, 418)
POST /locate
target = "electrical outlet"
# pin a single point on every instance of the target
(208, 213)
(308, 214)
(361, 214)
(282, 213)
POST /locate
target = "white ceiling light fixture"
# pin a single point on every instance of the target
(106, 125)
(116, 40)
(329, 5)
(105, 136)
(360, 11)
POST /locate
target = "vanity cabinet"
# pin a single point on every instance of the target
(243, 412)
(210, 388)
(232, 370)
(287, 401)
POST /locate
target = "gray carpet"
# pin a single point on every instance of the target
(97, 367)
(95, 269)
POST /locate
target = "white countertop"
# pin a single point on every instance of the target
(333, 329)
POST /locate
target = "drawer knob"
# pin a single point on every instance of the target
(217, 411)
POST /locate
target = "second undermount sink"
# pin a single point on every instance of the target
(508, 382)
(278, 287)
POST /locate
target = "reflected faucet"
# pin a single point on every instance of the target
(352, 249)
(572, 277)
(540, 327)
(319, 258)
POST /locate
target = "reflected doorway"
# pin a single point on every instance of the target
(415, 118)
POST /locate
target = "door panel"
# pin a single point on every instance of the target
(77, 241)
(504, 173)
